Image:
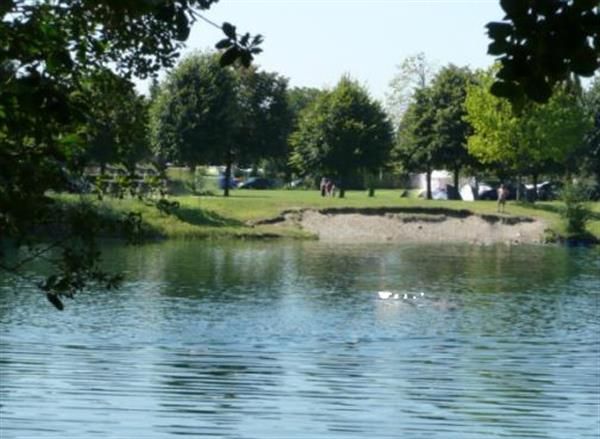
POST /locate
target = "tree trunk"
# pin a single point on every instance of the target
(193, 178)
(372, 182)
(455, 195)
(519, 187)
(342, 189)
(130, 166)
(227, 174)
(428, 177)
(535, 189)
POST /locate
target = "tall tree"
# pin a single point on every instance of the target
(527, 142)
(450, 130)
(433, 133)
(208, 114)
(195, 115)
(414, 149)
(342, 132)
(298, 99)
(264, 117)
(413, 73)
(301, 97)
(116, 126)
(590, 157)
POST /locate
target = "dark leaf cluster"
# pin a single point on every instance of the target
(66, 99)
(541, 43)
(235, 48)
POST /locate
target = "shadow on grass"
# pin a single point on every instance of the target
(245, 195)
(202, 217)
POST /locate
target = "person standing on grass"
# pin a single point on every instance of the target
(502, 196)
(330, 189)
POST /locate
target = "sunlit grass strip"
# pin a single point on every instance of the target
(217, 217)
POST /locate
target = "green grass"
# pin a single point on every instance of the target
(181, 180)
(220, 217)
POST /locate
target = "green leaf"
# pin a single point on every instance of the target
(498, 30)
(585, 5)
(59, 60)
(229, 56)
(165, 11)
(183, 26)
(498, 47)
(585, 61)
(224, 44)
(258, 39)
(246, 58)
(6, 6)
(514, 8)
(54, 300)
(229, 30)
(503, 89)
(506, 72)
(70, 140)
(548, 8)
(538, 90)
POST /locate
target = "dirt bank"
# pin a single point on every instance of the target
(417, 225)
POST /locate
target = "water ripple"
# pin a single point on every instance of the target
(305, 354)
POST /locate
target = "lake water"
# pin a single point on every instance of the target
(289, 340)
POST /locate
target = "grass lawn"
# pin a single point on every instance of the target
(218, 217)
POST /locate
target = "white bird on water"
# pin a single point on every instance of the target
(384, 294)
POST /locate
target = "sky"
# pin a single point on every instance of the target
(314, 42)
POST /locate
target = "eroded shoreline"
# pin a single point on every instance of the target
(412, 225)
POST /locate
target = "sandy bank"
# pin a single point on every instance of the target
(437, 225)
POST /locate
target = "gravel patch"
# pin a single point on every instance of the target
(408, 227)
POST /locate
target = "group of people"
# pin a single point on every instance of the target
(327, 187)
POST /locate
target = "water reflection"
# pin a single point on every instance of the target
(290, 340)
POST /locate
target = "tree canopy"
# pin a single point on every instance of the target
(207, 114)
(301, 97)
(413, 72)
(264, 116)
(590, 156)
(116, 127)
(413, 149)
(433, 133)
(342, 132)
(194, 113)
(450, 129)
(528, 142)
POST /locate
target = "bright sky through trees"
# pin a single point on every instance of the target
(314, 42)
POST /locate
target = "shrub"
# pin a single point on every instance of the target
(576, 212)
